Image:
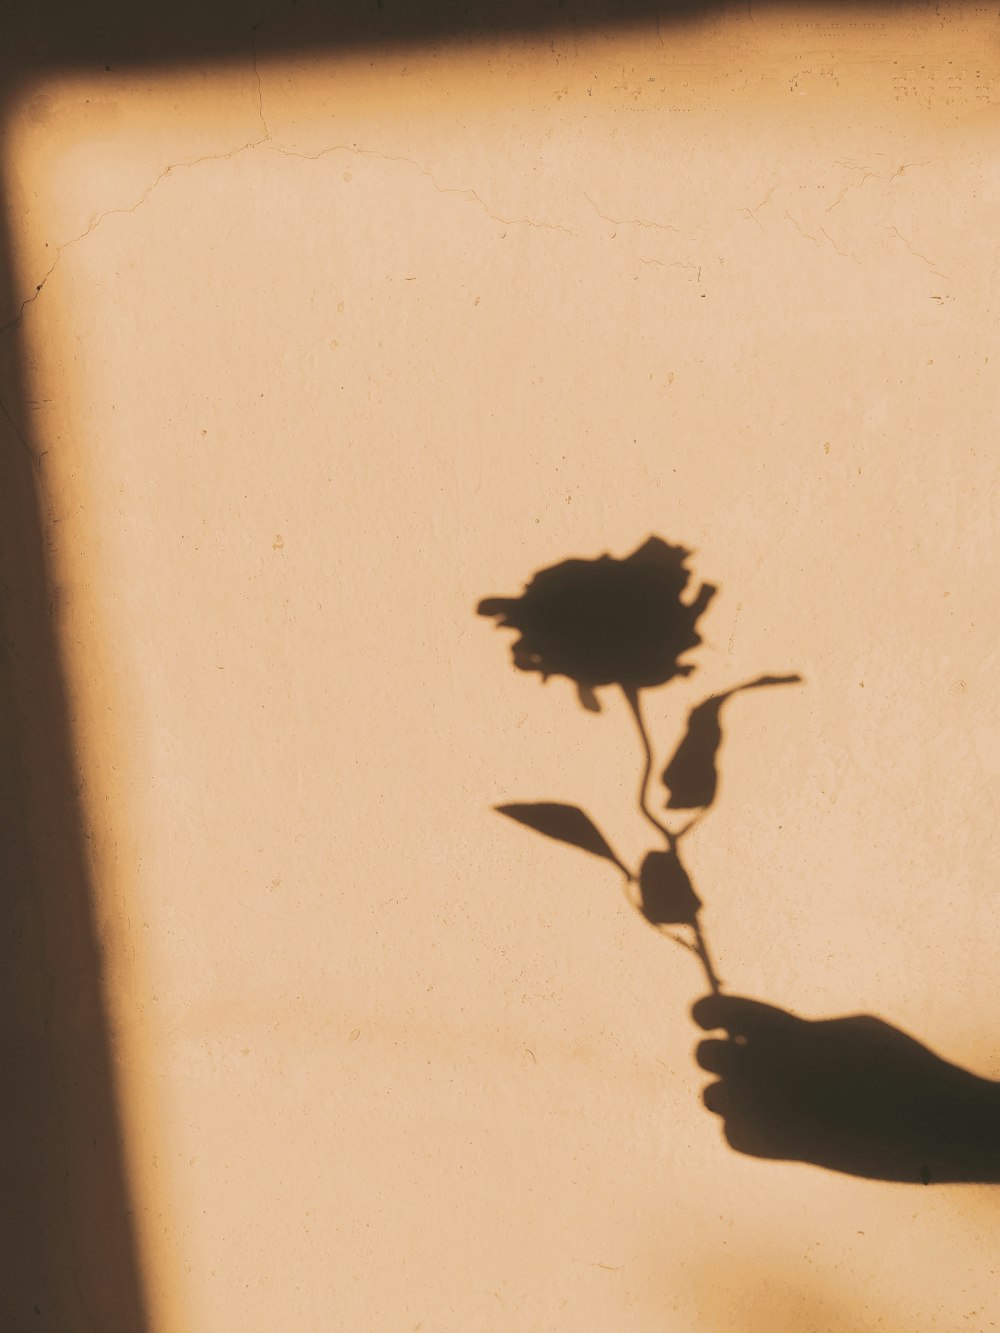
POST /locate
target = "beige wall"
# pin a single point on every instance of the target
(323, 354)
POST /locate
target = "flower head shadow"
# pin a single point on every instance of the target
(607, 621)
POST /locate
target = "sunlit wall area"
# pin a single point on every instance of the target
(322, 350)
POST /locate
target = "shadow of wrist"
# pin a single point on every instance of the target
(948, 1135)
(965, 1146)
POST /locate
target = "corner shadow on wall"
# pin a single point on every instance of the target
(852, 1095)
(106, 34)
(65, 1216)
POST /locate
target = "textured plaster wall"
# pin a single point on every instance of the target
(323, 351)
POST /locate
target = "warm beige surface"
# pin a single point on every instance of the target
(322, 359)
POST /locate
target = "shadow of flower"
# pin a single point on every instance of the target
(606, 621)
(626, 623)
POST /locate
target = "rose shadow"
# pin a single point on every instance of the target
(627, 623)
(606, 621)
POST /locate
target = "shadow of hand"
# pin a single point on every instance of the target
(851, 1094)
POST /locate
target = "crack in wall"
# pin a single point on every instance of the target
(629, 222)
(853, 185)
(901, 170)
(848, 255)
(267, 142)
(260, 86)
(752, 212)
(17, 433)
(675, 263)
(800, 229)
(111, 212)
(465, 191)
(917, 255)
(824, 232)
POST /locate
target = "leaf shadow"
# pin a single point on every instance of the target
(565, 823)
(692, 775)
